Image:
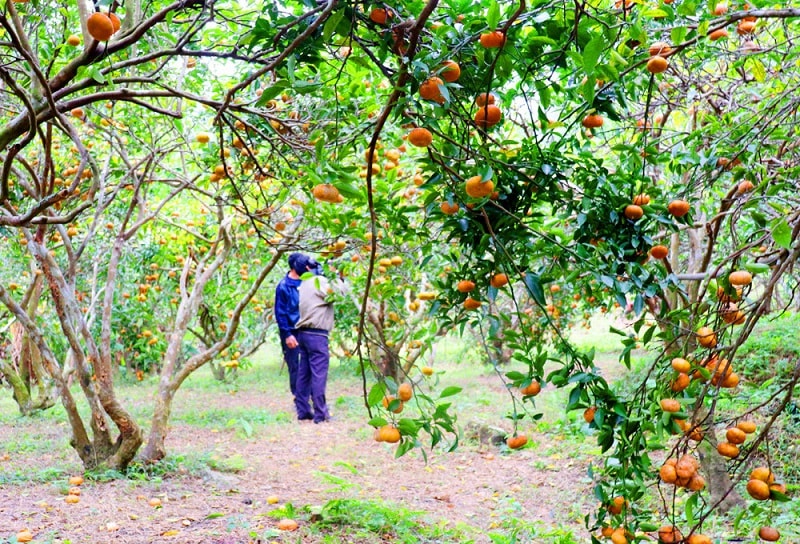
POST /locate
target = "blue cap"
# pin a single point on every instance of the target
(299, 263)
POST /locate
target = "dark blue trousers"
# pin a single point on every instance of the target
(291, 356)
(312, 375)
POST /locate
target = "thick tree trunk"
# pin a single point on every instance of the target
(97, 387)
(719, 481)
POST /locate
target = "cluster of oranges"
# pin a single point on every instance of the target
(682, 472)
(498, 281)
(389, 433)
(101, 26)
(487, 115)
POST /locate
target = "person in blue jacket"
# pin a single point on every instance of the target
(287, 312)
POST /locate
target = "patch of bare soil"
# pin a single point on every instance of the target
(300, 463)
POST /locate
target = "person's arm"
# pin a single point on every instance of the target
(281, 312)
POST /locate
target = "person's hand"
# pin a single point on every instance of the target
(291, 342)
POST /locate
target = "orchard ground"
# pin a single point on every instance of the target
(235, 447)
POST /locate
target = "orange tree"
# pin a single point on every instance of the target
(566, 148)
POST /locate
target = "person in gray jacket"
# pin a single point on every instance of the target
(311, 331)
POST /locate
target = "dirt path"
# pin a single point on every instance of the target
(302, 464)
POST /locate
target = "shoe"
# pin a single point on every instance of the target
(304, 418)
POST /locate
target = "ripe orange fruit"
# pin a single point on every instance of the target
(657, 65)
(477, 188)
(588, 414)
(531, 390)
(429, 90)
(778, 488)
(668, 474)
(617, 504)
(74, 40)
(388, 399)
(517, 441)
(488, 116)
(678, 208)
(499, 280)
(326, 192)
(388, 433)
(670, 405)
(731, 380)
(619, 536)
(697, 538)
(24, 536)
(203, 137)
(472, 304)
(405, 392)
(641, 199)
(492, 40)
(747, 426)
(769, 534)
(449, 209)
(660, 49)
(465, 286)
(764, 474)
(481, 100)
(745, 187)
(77, 112)
(669, 534)
(696, 483)
(592, 121)
(659, 252)
(680, 383)
(426, 371)
(735, 435)
(420, 137)
(706, 337)
(633, 212)
(745, 28)
(116, 24)
(681, 365)
(379, 16)
(726, 449)
(75, 480)
(740, 278)
(287, 524)
(721, 8)
(718, 34)
(451, 71)
(758, 489)
(72, 499)
(686, 466)
(99, 26)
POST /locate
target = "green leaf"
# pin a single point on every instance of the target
(534, 285)
(591, 53)
(756, 268)
(376, 394)
(691, 504)
(678, 34)
(493, 17)
(403, 448)
(331, 24)
(758, 70)
(782, 233)
(377, 422)
(214, 515)
(654, 13)
(450, 391)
